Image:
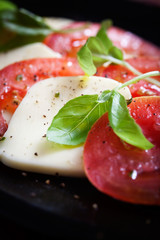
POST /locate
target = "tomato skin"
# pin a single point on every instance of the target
(119, 169)
(17, 78)
(68, 44)
(22, 75)
(131, 43)
(3, 125)
(122, 74)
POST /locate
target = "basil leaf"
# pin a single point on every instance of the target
(105, 41)
(6, 5)
(85, 60)
(116, 53)
(123, 124)
(106, 24)
(72, 123)
(97, 49)
(20, 27)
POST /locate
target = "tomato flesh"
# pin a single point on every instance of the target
(68, 44)
(122, 74)
(120, 170)
(17, 78)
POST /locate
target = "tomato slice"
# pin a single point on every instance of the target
(17, 78)
(120, 170)
(68, 44)
(122, 74)
(131, 43)
(3, 125)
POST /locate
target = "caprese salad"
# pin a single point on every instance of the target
(80, 99)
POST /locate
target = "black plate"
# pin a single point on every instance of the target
(68, 207)
(71, 207)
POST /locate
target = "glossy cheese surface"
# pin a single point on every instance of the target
(34, 50)
(26, 146)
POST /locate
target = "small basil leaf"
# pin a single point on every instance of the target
(97, 49)
(123, 124)
(104, 39)
(96, 46)
(116, 53)
(7, 5)
(72, 123)
(106, 24)
(85, 60)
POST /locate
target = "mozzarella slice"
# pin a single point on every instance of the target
(57, 23)
(34, 50)
(26, 146)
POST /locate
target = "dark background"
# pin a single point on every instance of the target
(140, 18)
(137, 16)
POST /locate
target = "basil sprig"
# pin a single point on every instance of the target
(92, 53)
(100, 49)
(73, 121)
(19, 27)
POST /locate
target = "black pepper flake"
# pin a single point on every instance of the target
(44, 135)
(57, 94)
(36, 154)
(35, 78)
(44, 116)
(16, 102)
(19, 77)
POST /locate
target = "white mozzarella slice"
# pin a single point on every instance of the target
(34, 50)
(57, 23)
(26, 146)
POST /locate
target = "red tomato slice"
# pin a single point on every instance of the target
(132, 44)
(122, 74)
(68, 44)
(17, 78)
(120, 170)
(3, 125)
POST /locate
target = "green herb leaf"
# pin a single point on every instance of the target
(96, 49)
(4, 5)
(123, 124)
(20, 27)
(72, 123)
(2, 139)
(106, 24)
(85, 60)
